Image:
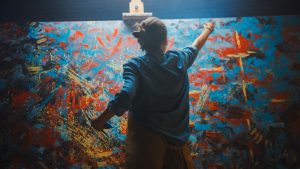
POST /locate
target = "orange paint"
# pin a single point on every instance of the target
(212, 105)
(263, 83)
(94, 30)
(100, 42)
(108, 38)
(51, 39)
(63, 45)
(240, 45)
(86, 46)
(209, 78)
(100, 105)
(76, 35)
(79, 34)
(57, 66)
(170, 44)
(130, 41)
(49, 29)
(194, 94)
(116, 48)
(280, 97)
(114, 89)
(47, 79)
(101, 72)
(116, 31)
(227, 38)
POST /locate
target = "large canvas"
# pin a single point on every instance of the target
(57, 76)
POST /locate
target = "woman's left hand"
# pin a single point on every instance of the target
(98, 124)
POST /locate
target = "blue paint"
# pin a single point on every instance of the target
(202, 127)
(39, 125)
(2, 84)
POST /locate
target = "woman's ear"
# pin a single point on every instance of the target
(163, 47)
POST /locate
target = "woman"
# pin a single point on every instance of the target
(156, 93)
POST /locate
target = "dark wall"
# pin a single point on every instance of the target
(58, 10)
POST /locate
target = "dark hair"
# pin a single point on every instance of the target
(151, 33)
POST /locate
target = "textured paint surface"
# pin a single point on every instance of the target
(244, 93)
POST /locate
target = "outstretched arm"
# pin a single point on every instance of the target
(99, 123)
(200, 41)
(120, 104)
(189, 54)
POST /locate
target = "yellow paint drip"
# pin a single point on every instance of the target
(244, 85)
(34, 69)
(41, 40)
(238, 42)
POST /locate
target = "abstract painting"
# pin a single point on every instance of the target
(244, 92)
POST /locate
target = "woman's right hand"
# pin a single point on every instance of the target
(210, 26)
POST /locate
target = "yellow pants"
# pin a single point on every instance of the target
(146, 149)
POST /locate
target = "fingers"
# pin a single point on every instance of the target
(210, 26)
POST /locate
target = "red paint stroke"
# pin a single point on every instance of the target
(116, 31)
(290, 34)
(202, 76)
(45, 59)
(71, 99)
(212, 105)
(245, 45)
(95, 47)
(222, 79)
(49, 29)
(94, 30)
(76, 53)
(115, 48)
(86, 45)
(51, 39)
(89, 64)
(76, 35)
(101, 72)
(41, 137)
(60, 92)
(128, 56)
(281, 95)
(108, 38)
(84, 102)
(20, 99)
(209, 78)
(257, 36)
(47, 79)
(291, 38)
(100, 41)
(260, 83)
(114, 89)
(108, 82)
(100, 105)
(194, 95)
(214, 38)
(57, 66)
(63, 45)
(130, 41)
(170, 44)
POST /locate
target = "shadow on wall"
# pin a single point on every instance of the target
(244, 93)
